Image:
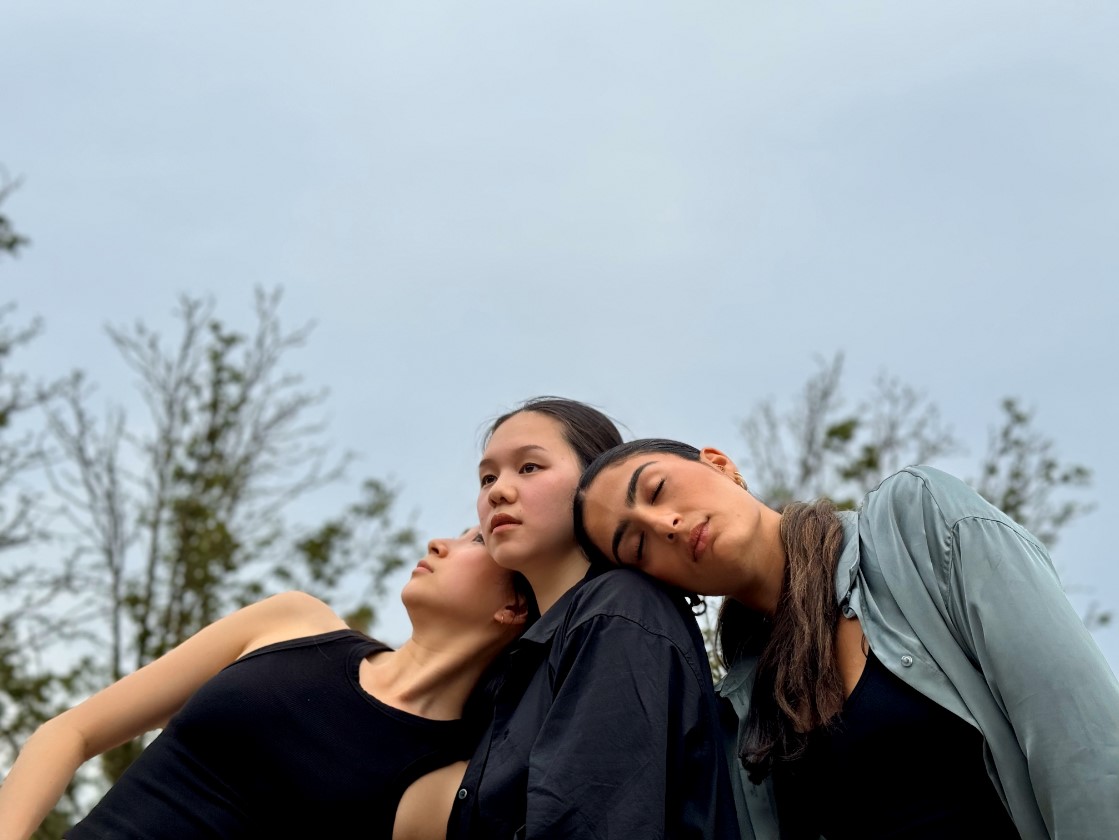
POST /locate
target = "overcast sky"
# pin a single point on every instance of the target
(670, 210)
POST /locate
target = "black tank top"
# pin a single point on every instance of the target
(895, 765)
(282, 743)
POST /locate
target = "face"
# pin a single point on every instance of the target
(459, 578)
(684, 522)
(527, 478)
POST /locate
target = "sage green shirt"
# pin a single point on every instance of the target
(964, 605)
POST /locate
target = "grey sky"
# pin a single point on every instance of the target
(667, 209)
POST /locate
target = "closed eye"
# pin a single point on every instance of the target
(657, 491)
(640, 555)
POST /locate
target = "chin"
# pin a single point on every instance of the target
(511, 558)
(408, 593)
(405, 596)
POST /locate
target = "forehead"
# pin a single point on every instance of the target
(529, 428)
(609, 487)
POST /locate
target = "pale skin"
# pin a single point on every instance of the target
(527, 477)
(463, 610)
(425, 808)
(693, 524)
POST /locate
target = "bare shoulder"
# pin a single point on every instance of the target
(297, 604)
(290, 615)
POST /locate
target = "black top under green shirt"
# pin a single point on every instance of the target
(895, 765)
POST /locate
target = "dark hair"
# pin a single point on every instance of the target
(587, 430)
(798, 686)
(608, 459)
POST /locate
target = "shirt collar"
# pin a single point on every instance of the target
(542, 631)
(847, 569)
(740, 674)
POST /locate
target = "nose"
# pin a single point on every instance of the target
(501, 491)
(437, 547)
(666, 524)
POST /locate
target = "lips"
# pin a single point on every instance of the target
(698, 539)
(423, 564)
(498, 520)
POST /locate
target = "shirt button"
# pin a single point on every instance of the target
(907, 660)
(462, 793)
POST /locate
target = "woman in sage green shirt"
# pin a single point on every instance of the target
(910, 670)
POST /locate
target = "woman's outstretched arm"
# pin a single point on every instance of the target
(143, 701)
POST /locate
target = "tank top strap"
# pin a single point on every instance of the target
(346, 635)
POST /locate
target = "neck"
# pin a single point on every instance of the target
(551, 578)
(433, 673)
(761, 590)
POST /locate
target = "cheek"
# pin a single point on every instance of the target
(555, 491)
(554, 508)
(668, 568)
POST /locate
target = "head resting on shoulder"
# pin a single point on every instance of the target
(608, 459)
(613, 457)
(791, 632)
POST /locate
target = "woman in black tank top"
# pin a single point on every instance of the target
(280, 721)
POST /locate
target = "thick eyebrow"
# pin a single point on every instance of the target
(519, 451)
(631, 498)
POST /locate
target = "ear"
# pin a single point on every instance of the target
(513, 614)
(719, 460)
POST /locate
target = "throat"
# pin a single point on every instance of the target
(550, 580)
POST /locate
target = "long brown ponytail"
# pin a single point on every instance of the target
(798, 686)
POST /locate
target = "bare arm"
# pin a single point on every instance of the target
(143, 701)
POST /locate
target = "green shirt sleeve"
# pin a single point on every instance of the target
(1043, 669)
(964, 605)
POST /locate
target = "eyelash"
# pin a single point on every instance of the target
(478, 539)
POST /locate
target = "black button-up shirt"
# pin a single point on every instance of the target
(605, 726)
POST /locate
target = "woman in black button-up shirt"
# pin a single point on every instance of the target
(605, 725)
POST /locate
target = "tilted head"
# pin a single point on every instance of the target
(457, 584)
(678, 513)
